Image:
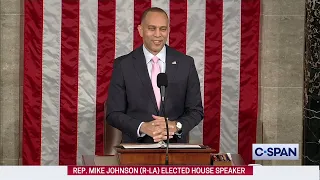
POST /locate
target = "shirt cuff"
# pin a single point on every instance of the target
(138, 131)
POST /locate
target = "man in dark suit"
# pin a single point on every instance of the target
(133, 104)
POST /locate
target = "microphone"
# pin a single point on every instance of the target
(162, 83)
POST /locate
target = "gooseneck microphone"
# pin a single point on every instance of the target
(162, 83)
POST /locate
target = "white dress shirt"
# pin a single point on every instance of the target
(162, 62)
(162, 59)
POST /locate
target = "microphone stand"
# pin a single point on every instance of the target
(167, 127)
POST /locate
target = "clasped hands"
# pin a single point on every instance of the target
(157, 128)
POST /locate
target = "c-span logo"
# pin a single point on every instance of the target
(275, 151)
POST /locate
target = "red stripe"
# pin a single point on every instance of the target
(69, 82)
(212, 74)
(139, 7)
(248, 107)
(106, 55)
(32, 82)
(178, 24)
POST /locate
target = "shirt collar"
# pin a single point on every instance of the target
(161, 55)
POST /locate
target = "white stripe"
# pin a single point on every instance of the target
(230, 76)
(50, 123)
(165, 5)
(124, 27)
(87, 77)
(195, 42)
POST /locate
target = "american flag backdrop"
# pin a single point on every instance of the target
(69, 49)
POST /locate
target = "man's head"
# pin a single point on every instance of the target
(154, 29)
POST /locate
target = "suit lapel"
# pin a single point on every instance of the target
(142, 70)
(172, 64)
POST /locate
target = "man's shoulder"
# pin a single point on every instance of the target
(127, 57)
(123, 58)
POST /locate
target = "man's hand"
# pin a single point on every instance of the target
(150, 129)
(160, 122)
(157, 128)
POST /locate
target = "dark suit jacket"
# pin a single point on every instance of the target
(131, 99)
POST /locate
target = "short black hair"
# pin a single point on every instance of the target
(153, 9)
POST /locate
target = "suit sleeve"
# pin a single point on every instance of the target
(116, 104)
(193, 113)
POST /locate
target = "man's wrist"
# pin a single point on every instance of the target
(178, 127)
(139, 131)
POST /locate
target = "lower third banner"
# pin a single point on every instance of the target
(159, 172)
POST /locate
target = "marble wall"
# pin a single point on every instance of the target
(281, 81)
(10, 48)
(281, 71)
(312, 84)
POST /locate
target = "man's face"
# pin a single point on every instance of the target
(154, 31)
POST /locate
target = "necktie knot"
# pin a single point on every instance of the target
(155, 59)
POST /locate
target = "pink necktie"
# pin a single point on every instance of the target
(154, 73)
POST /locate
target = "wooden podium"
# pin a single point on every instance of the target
(156, 156)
